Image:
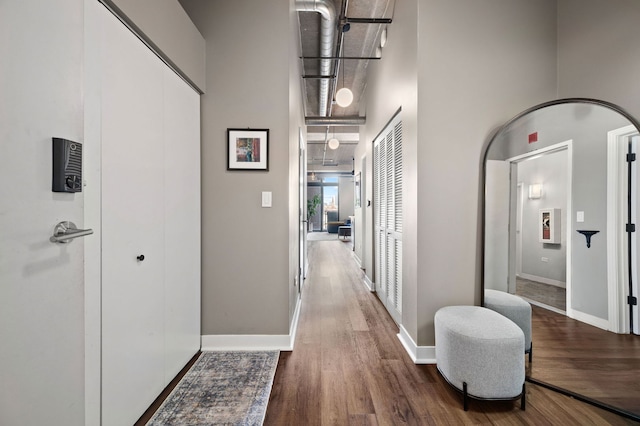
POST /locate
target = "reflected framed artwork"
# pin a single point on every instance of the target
(357, 190)
(248, 149)
(550, 226)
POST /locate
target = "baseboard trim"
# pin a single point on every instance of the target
(293, 330)
(589, 319)
(253, 342)
(418, 354)
(357, 259)
(367, 283)
(543, 280)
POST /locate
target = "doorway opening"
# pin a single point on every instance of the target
(335, 193)
(540, 216)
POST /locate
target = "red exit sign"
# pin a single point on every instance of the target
(533, 137)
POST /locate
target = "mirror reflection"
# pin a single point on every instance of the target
(559, 194)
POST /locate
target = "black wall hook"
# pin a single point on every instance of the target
(587, 235)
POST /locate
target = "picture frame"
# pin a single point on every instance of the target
(549, 226)
(248, 149)
(357, 190)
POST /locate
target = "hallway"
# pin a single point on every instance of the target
(349, 368)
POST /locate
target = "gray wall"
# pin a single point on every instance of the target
(391, 85)
(599, 51)
(455, 69)
(551, 171)
(165, 24)
(471, 80)
(248, 252)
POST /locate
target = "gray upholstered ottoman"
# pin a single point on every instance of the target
(479, 352)
(514, 308)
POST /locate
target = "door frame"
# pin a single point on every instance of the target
(303, 265)
(92, 169)
(561, 146)
(519, 206)
(617, 281)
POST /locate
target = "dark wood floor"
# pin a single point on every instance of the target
(586, 360)
(349, 368)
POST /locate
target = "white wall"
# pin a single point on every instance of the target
(41, 319)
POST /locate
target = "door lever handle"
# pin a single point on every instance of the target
(66, 231)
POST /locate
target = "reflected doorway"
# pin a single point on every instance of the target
(541, 258)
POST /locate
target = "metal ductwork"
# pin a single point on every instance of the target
(335, 121)
(328, 28)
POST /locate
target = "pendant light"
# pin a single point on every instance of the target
(344, 96)
(333, 142)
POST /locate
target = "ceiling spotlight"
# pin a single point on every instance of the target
(334, 143)
(383, 38)
(344, 97)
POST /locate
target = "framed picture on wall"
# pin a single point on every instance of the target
(248, 149)
(356, 192)
(549, 226)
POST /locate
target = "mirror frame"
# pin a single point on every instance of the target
(497, 134)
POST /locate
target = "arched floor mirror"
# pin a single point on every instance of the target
(561, 201)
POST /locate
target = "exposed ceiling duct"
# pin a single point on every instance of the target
(328, 28)
(335, 121)
(338, 40)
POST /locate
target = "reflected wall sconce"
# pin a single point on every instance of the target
(535, 191)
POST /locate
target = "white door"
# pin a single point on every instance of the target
(132, 208)
(496, 257)
(388, 181)
(181, 193)
(361, 219)
(380, 201)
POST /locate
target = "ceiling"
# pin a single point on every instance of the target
(351, 39)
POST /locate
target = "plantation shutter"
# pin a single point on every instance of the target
(387, 158)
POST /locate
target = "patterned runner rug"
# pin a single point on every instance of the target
(222, 388)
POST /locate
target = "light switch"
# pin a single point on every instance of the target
(579, 216)
(266, 198)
